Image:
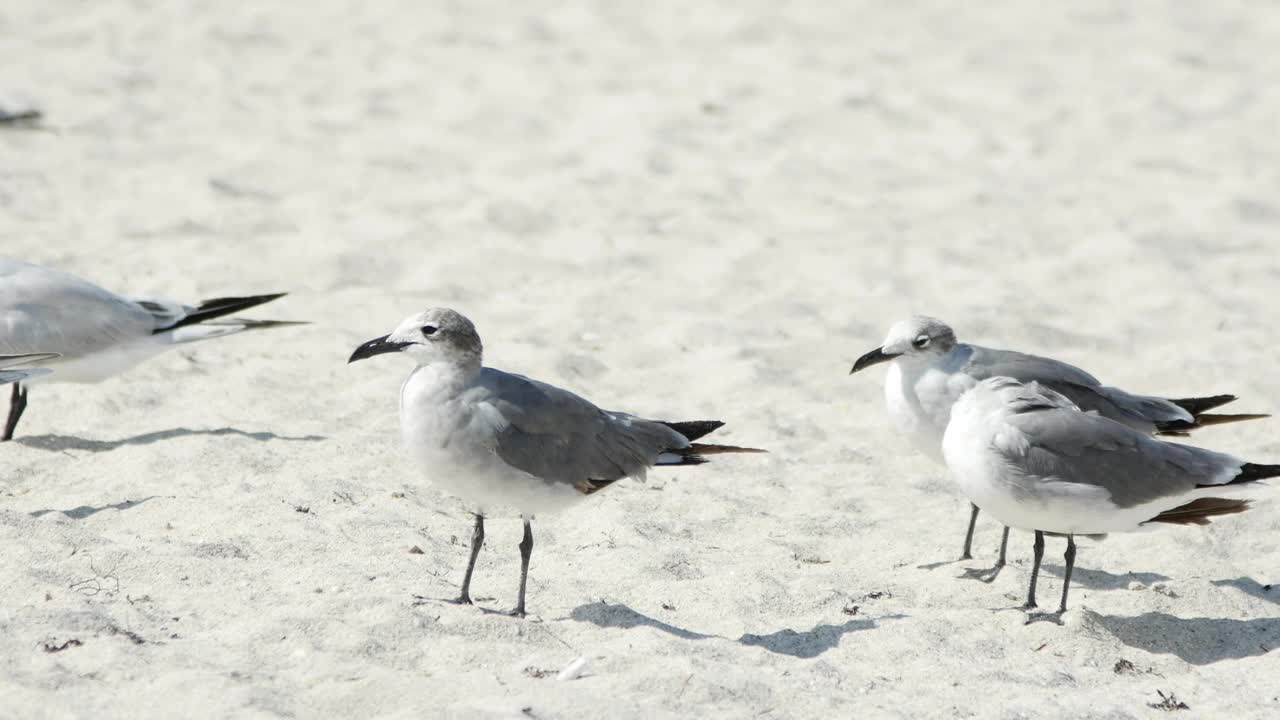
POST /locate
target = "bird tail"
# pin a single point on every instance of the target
(695, 453)
(230, 326)
(708, 449)
(219, 307)
(209, 319)
(1200, 510)
(1182, 428)
(1198, 408)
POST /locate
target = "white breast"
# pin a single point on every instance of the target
(919, 400)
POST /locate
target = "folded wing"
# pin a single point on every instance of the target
(558, 436)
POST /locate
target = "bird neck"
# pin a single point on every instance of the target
(448, 376)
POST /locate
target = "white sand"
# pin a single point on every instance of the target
(696, 210)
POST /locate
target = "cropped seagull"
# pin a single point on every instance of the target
(1034, 460)
(10, 373)
(930, 370)
(94, 332)
(496, 439)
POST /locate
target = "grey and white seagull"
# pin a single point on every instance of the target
(495, 439)
(96, 334)
(930, 369)
(1034, 460)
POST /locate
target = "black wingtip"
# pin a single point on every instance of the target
(1197, 405)
(1252, 472)
(243, 301)
(694, 429)
(219, 307)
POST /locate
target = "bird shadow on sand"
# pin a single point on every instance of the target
(805, 644)
(84, 511)
(1199, 641)
(604, 615)
(1082, 577)
(1103, 580)
(61, 443)
(1249, 586)
(800, 644)
(940, 563)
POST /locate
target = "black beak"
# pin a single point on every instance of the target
(376, 346)
(875, 357)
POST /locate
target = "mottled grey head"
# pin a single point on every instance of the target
(919, 337)
(436, 335)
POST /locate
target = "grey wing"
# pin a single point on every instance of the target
(13, 376)
(1074, 447)
(19, 374)
(8, 361)
(985, 362)
(43, 310)
(558, 436)
(1139, 412)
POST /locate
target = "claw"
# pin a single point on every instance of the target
(986, 575)
(1054, 617)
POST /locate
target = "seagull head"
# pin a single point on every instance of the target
(918, 338)
(438, 335)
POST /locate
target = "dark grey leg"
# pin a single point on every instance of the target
(989, 575)
(477, 539)
(967, 553)
(1070, 557)
(986, 575)
(17, 404)
(526, 550)
(1037, 555)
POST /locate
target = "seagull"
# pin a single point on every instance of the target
(96, 334)
(497, 439)
(9, 373)
(1033, 459)
(930, 370)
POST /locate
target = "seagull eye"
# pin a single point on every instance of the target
(921, 342)
(429, 329)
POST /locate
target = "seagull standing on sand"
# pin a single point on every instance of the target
(95, 333)
(930, 370)
(1035, 461)
(495, 439)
